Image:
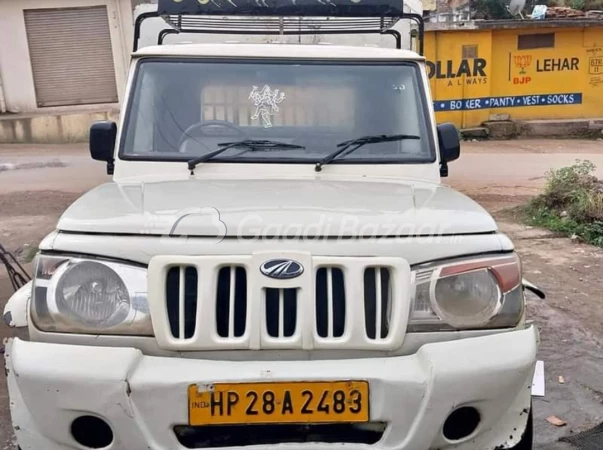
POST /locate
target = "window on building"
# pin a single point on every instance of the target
(469, 51)
(539, 40)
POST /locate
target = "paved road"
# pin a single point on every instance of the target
(518, 167)
(493, 166)
(65, 168)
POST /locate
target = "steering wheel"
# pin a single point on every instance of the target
(196, 130)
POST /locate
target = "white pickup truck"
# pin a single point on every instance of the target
(275, 264)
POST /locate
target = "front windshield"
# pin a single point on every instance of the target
(182, 109)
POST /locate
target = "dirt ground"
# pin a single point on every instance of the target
(38, 182)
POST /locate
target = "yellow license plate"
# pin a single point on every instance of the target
(297, 402)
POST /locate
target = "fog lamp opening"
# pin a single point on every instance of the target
(91, 432)
(461, 423)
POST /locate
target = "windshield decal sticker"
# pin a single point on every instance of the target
(266, 103)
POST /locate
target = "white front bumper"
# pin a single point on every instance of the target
(143, 397)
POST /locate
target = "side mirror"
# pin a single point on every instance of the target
(450, 146)
(102, 142)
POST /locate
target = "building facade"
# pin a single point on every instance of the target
(528, 69)
(63, 53)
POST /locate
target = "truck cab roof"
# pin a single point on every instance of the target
(303, 51)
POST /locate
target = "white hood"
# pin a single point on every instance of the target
(276, 207)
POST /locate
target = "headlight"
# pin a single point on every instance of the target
(76, 295)
(467, 294)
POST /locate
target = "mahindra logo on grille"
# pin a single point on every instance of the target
(282, 269)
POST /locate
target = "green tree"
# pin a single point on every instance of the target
(491, 9)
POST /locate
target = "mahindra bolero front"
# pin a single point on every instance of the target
(274, 264)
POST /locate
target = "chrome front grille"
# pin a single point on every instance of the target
(219, 302)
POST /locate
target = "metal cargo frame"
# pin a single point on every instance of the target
(281, 17)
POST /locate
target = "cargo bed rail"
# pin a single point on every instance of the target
(282, 17)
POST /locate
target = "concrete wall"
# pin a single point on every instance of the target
(561, 82)
(15, 66)
(53, 128)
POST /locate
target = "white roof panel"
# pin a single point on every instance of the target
(236, 50)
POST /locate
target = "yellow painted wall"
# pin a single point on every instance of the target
(475, 73)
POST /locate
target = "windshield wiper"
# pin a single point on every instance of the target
(250, 144)
(354, 144)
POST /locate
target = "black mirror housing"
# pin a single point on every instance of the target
(102, 142)
(450, 146)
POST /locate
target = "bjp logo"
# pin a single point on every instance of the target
(522, 62)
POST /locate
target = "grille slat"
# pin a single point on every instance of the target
(191, 281)
(281, 313)
(181, 300)
(377, 302)
(280, 308)
(231, 302)
(330, 302)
